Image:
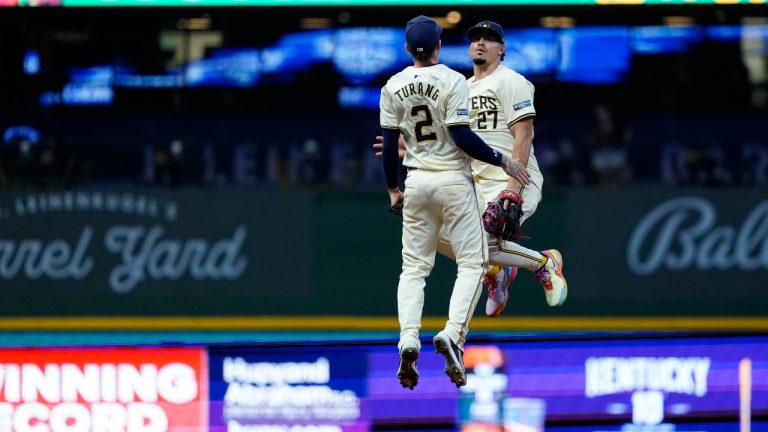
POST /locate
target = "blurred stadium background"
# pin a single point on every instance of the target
(194, 235)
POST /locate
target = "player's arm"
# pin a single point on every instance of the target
(477, 149)
(400, 146)
(389, 125)
(457, 120)
(389, 156)
(522, 131)
(402, 171)
(516, 96)
(391, 164)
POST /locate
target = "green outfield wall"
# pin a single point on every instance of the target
(298, 259)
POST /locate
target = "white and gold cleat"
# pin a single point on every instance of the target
(551, 278)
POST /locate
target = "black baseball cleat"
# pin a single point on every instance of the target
(407, 372)
(454, 362)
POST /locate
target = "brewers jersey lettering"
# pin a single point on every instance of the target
(497, 102)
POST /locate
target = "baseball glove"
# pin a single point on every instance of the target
(504, 223)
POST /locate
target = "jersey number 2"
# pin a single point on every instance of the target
(421, 124)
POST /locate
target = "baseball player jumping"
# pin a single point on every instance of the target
(427, 103)
(501, 112)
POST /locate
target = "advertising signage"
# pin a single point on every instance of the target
(633, 384)
(124, 250)
(293, 389)
(103, 390)
(661, 384)
(668, 252)
(271, 260)
(592, 384)
(362, 2)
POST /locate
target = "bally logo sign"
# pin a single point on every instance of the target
(684, 234)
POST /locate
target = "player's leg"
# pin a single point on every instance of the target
(497, 279)
(461, 217)
(496, 284)
(551, 278)
(532, 195)
(486, 190)
(444, 247)
(508, 254)
(407, 372)
(466, 236)
(546, 265)
(551, 274)
(421, 222)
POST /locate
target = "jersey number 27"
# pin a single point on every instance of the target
(482, 118)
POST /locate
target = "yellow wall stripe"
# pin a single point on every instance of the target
(310, 323)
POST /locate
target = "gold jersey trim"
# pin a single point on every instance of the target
(521, 118)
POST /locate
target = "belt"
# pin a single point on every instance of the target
(412, 168)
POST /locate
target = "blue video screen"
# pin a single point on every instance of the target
(533, 51)
(665, 39)
(364, 57)
(667, 384)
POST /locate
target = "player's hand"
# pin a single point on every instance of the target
(516, 170)
(378, 145)
(396, 199)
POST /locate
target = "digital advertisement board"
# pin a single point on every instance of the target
(585, 383)
(360, 2)
(103, 390)
(605, 385)
(289, 389)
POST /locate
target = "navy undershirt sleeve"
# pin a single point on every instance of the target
(473, 145)
(389, 157)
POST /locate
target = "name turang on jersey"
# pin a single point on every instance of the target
(418, 88)
(422, 102)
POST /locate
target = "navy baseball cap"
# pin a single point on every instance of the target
(422, 34)
(487, 27)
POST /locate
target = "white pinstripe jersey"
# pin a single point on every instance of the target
(496, 102)
(421, 103)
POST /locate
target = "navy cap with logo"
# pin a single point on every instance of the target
(488, 28)
(422, 34)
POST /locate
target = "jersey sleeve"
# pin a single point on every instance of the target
(387, 111)
(516, 95)
(457, 102)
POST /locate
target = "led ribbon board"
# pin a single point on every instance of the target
(393, 3)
